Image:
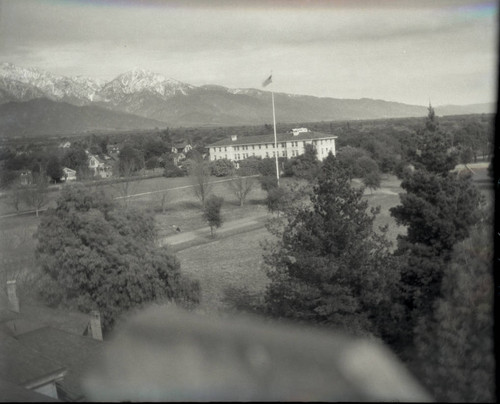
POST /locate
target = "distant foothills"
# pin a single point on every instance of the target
(36, 102)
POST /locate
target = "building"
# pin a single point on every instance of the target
(181, 147)
(69, 174)
(99, 167)
(290, 144)
(45, 352)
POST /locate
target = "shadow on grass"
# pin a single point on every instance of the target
(242, 300)
(189, 205)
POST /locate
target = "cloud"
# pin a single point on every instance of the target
(315, 49)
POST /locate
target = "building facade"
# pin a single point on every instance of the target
(289, 144)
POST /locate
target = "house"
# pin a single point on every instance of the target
(289, 144)
(46, 351)
(99, 167)
(178, 158)
(65, 145)
(69, 174)
(28, 368)
(26, 177)
(113, 149)
(181, 147)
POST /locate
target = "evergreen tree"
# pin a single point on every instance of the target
(212, 214)
(438, 208)
(329, 266)
(455, 346)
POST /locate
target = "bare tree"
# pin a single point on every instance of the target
(16, 196)
(127, 171)
(241, 186)
(36, 194)
(200, 178)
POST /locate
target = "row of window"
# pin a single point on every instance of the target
(268, 145)
(242, 156)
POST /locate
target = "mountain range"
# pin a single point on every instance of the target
(33, 101)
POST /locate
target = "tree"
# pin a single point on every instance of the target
(250, 165)
(305, 165)
(94, 255)
(328, 265)
(212, 214)
(130, 161)
(433, 148)
(438, 208)
(222, 168)
(349, 157)
(275, 198)
(54, 169)
(16, 195)
(241, 186)
(372, 180)
(35, 195)
(455, 346)
(75, 158)
(200, 178)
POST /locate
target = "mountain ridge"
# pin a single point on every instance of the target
(149, 95)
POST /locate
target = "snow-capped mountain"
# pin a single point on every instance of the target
(139, 81)
(17, 80)
(153, 96)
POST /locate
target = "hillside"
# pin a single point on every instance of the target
(45, 117)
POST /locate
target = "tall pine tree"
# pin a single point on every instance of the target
(438, 208)
(329, 266)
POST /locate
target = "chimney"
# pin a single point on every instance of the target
(95, 325)
(234, 138)
(11, 293)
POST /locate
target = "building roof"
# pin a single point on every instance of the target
(281, 137)
(24, 366)
(12, 393)
(75, 352)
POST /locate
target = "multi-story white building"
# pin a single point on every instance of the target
(289, 144)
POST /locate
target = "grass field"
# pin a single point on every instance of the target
(231, 262)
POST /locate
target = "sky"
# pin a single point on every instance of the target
(410, 51)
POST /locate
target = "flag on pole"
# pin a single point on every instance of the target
(267, 81)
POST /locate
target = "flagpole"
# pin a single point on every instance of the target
(275, 142)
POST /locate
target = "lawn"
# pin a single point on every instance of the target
(228, 263)
(236, 262)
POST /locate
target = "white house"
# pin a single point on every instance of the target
(69, 174)
(181, 147)
(289, 144)
(99, 167)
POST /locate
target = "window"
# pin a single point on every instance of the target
(260, 147)
(253, 147)
(220, 148)
(267, 154)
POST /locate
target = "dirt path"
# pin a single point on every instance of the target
(202, 235)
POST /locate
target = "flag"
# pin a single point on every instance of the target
(267, 81)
